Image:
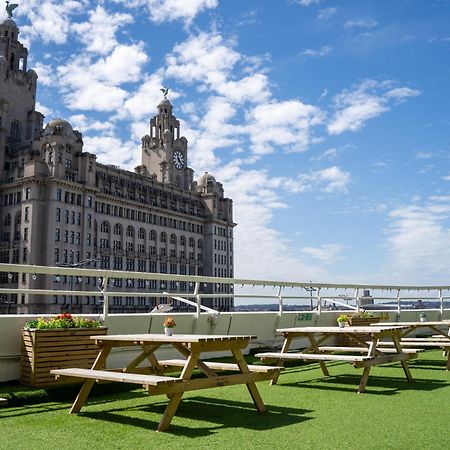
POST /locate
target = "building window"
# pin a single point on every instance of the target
(130, 231)
(118, 229)
(57, 234)
(58, 214)
(27, 193)
(27, 213)
(163, 237)
(58, 195)
(141, 233)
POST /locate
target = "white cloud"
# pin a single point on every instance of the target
(89, 84)
(284, 124)
(44, 109)
(402, 93)
(308, 2)
(361, 23)
(365, 101)
(417, 240)
(112, 150)
(50, 20)
(327, 253)
(322, 51)
(330, 180)
(46, 74)
(84, 123)
(98, 34)
(171, 10)
(326, 13)
(255, 203)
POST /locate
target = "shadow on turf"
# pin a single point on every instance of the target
(377, 385)
(225, 413)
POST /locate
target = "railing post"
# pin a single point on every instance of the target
(319, 301)
(198, 297)
(399, 305)
(280, 302)
(357, 300)
(441, 300)
(104, 292)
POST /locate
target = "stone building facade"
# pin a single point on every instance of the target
(59, 206)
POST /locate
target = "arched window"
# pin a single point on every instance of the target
(200, 244)
(16, 131)
(182, 240)
(163, 237)
(130, 231)
(191, 242)
(173, 239)
(141, 233)
(8, 220)
(118, 229)
(152, 235)
(104, 227)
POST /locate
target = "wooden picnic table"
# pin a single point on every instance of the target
(372, 354)
(152, 377)
(435, 326)
(441, 340)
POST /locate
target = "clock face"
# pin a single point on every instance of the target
(178, 159)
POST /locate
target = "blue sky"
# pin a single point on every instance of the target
(326, 121)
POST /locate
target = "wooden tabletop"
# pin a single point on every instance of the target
(183, 338)
(337, 329)
(415, 324)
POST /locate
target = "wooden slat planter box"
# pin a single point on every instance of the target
(357, 322)
(44, 350)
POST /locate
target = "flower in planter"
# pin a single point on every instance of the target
(64, 320)
(169, 322)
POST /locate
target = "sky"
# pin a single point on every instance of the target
(328, 122)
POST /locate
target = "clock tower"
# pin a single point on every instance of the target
(164, 151)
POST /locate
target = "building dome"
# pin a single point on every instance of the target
(59, 126)
(8, 23)
(206, 180)
(166, 103)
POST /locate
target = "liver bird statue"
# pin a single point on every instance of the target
(10, 8)
(165, 91)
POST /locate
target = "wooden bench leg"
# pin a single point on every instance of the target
(315, 347)
(284, 349)
(448, 360)
(364, 379)
(252, 389)
(169, 412)
(175, 399)
(99, 363)
(403, 363)
(82, 396)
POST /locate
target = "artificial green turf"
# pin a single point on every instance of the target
(306, 410)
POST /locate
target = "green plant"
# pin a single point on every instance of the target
(364, 315)
(422, 315)
(342, 318)
(64, 320)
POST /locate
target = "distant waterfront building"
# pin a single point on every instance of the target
(59, 206)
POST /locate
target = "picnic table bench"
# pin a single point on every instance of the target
(152, 377)
(439, 340)
(374, 355)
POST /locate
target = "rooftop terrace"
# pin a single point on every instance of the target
(305, 410)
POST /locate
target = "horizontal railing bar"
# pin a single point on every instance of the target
(18, 268)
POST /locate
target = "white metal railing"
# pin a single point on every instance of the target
(320, 296)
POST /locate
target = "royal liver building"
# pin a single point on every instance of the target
(61, 207)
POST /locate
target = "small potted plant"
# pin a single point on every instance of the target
(342, 320)
(169, 325)
(422, 317)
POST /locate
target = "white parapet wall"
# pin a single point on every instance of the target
(263, 325)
